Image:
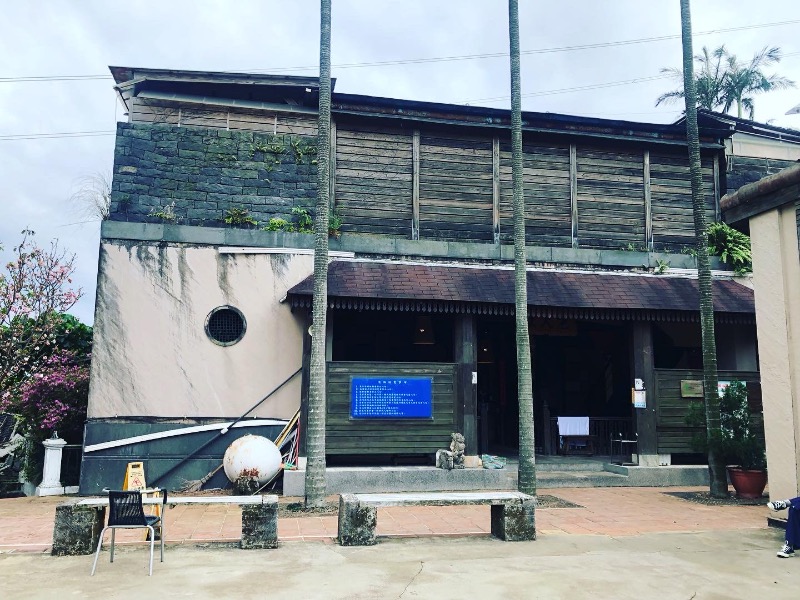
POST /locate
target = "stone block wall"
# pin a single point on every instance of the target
(743, 170)
(199, 174)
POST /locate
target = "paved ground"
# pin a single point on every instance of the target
(622, 543)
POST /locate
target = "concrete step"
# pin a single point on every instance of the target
(572, 478)
(548, 464)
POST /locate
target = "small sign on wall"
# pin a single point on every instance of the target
(391, 397)
(639, 398)
(691, 388)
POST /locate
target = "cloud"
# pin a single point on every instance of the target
(83, 38)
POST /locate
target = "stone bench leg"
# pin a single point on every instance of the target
(514, 522)
(356, 522)
(76, 530)
(260, 525)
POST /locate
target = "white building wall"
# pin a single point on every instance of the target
(151, 353)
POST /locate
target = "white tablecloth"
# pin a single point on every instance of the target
(573, 426)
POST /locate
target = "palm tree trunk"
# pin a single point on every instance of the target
(716, 467)
(527, 459)
(315, 436)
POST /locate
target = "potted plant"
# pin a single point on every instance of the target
(739, 443)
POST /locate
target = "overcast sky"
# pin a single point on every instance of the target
(41, 38)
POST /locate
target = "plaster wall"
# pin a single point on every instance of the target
(151, 353)
(776, 272)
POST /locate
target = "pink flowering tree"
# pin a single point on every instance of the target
(35, 289)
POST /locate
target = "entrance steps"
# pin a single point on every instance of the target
(551, 472)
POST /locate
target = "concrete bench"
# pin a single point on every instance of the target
(78, 522)
(512, 512)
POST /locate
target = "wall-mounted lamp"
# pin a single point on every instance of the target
(423, 331)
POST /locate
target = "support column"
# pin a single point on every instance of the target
(776, 276)
(466, 357)
(645, 419)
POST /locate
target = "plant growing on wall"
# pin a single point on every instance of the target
(732, 246)
(335, 225)
(238, 217)
(303, 221)
(278, 224)
(165, 213)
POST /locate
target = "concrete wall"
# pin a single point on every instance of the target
(776, 272)
(151, 353)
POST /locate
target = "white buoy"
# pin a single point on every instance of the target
(252, 456)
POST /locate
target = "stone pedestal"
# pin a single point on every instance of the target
(260, 524)
(514, 522)
(356, 522)
(76, 529)
(51, 475)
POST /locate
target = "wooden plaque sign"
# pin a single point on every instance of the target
(691, 388)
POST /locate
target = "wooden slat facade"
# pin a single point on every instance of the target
(674, 436)
(671, 191)
(455, 189)
(373, 186)
(611, 208)
(546, 185)
(433, 184)
(235, 119)
(389, 436)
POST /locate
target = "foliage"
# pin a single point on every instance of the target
(278, 224)
(303, 221)
(54, 399)
(737, 442)
(165, 213)
(34, 290)
(92, 198)
(239, 216)
(276, 147)
(662, 266)
(732, 246)
(722, 81)
(335, 225)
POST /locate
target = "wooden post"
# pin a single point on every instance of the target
(573, 191)
(645, 419)
(466, 358)
(648, 206)
(333, 167)
(717, 214)
(415, 186)
(304, 385)
(496, 188)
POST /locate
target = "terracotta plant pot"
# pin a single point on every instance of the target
(747, 483)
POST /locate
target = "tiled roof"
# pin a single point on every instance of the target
(558, 289)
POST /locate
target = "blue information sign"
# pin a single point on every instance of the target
(391, 397)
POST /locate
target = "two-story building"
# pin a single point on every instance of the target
(204, 283)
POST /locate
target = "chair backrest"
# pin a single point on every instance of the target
(125, 508)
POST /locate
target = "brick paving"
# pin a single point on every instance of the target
(26, 524)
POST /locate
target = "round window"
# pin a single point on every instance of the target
(225, 325)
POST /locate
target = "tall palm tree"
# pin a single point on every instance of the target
(315, 435)
(527, 459)
(716, 467)
(722, 81)
(743, 81)
(709, 79)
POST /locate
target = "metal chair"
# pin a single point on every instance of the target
(125, 511)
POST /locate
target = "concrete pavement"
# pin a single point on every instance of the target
(717, 564)
(593, 543)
